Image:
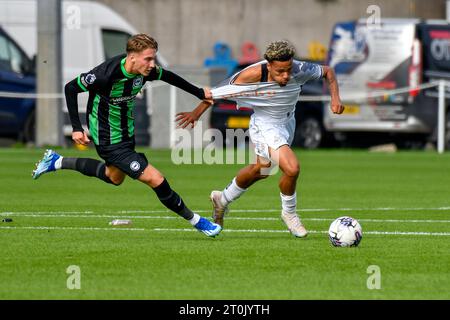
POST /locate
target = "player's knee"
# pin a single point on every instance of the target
(263, 174)
(292, 170)
(114, 176)
(262, 170)
(153, 179)
(117, 181)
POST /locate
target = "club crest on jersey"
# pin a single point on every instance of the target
(135, 166)
(137, 82)
(90, 78)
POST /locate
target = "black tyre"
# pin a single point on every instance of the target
(309, 133)
(28, 133)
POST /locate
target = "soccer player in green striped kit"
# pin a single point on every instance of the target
(113, 86)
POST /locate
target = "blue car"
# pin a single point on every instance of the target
(17, 74)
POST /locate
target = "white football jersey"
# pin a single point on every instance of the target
(269, 100)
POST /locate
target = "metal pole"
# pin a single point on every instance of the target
(441, 117)
(49, 120)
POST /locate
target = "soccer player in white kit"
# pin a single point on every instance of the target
(271, 87)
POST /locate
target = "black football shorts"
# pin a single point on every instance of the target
(123, 156)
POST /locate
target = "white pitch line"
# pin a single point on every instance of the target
(307, 210)
(316, 231)
(237, 210)
(43, 212)
(227, 218)
(226, 230)
(384, 220)
(231, 230)
(92, 216)
(74, 228)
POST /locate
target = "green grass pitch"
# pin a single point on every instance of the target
(402, 201)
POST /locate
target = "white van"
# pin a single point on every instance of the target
(92, 33)
(397, 54)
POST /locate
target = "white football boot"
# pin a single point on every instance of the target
(219, 210)
(294, 224)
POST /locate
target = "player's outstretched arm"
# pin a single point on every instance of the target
(71, 91)
(177, 81)
(184, 119)
(336, 104)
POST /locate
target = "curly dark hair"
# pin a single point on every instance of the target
(281, 50)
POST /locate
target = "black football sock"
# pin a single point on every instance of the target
(86, 166)
(172, 200)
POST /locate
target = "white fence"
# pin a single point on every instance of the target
(441, 84)
(441, 115)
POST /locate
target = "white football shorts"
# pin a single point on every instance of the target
(270, 134)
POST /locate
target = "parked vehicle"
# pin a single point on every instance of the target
(92, 33)
(395, 54)
(17, 116)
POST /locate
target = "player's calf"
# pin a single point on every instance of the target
(173, 202)
(89, 167)
(53, 161)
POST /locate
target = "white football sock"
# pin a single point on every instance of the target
(289, 203)
(231, 193)
(58, 163)
(195, 219)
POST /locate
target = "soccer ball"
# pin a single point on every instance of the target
(345, 232)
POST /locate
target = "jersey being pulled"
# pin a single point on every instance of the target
(112, 93)
(269, 100)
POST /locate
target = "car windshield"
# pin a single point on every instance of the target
(114, 42)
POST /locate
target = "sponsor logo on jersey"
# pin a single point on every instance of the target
(118, 100)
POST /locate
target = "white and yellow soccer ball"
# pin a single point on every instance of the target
(345, 232)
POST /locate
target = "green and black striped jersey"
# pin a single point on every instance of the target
(112, 94)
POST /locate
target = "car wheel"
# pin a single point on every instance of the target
(29, 128)
(309, 133)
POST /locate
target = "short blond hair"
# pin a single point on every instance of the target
(281, 50)
(140, 42)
